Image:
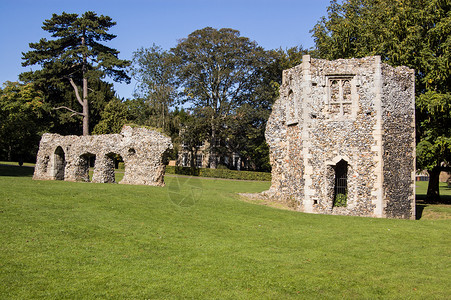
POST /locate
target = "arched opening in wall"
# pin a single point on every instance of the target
(59, 163)
(115, 167)
(341, 184)
(291, 110)
(347, 101)
(85, 161)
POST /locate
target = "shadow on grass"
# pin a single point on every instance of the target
(419, 210)
(16, 171)
(422, 202)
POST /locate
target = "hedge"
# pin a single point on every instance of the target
(219, 173)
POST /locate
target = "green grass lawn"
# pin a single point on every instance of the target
(196, 239)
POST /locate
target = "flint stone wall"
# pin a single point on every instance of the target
(67, 157)
(360, 111)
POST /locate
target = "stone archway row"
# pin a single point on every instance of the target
(68, 157)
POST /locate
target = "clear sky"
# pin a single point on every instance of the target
(140, 23)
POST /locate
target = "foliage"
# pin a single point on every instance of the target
(119, 241)
(245, 135)
(340, 200)
(414, 33)
(218, 71)
(113, 118)
(75, 56)
(154, 70)
(434, 113)
(219, 173)
(193, 132)
(21, 113)
(227, 85)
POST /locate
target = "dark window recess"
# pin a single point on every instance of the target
(341, 184)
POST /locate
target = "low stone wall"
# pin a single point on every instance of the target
(68, 157)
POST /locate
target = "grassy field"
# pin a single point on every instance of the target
(196, 239)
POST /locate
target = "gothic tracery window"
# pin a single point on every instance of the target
(340, 95)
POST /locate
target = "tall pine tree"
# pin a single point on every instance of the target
(75, 55)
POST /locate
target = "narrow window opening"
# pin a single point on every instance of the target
(341, 184)
(291, 110)
(60, 163)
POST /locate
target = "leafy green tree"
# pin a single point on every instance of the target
(434, 146)
(113, 118)
(21, 113)
(244, 136)
(153, 68)
(414, 33)
(193, 132)
(218, 70)
(75, 56)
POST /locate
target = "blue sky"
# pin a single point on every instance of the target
(140, 23)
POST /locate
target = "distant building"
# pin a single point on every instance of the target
(201, 156)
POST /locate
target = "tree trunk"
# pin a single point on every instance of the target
(85, 107)
(9, 154)
(191, 163)
(85, 92)
(433, 193)
(212, 158)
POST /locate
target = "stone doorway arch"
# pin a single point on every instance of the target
(59, 163)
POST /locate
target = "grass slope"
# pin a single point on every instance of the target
(195, 239)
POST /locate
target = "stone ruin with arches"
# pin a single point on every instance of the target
(342, 138)
(68, 157)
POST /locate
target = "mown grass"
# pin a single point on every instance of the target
(195, 239)
(427, 210)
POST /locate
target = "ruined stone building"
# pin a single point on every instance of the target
(67, 157)
(342, 138)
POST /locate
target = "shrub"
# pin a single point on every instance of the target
(340, 200)
(219, 173)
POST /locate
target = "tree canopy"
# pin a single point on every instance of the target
(154, 71)
(218, 70)
(22, 112)
(75, 56)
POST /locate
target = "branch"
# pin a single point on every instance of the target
(69, 109)
(77, 95)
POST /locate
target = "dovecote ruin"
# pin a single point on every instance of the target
(342, 138)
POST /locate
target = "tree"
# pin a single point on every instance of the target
(244, 136)
(414, 33)
(154, 70)
(434, 146)
(75, 56)
(193, 129)
(113, 118)
(218, 71)
(21, 114)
